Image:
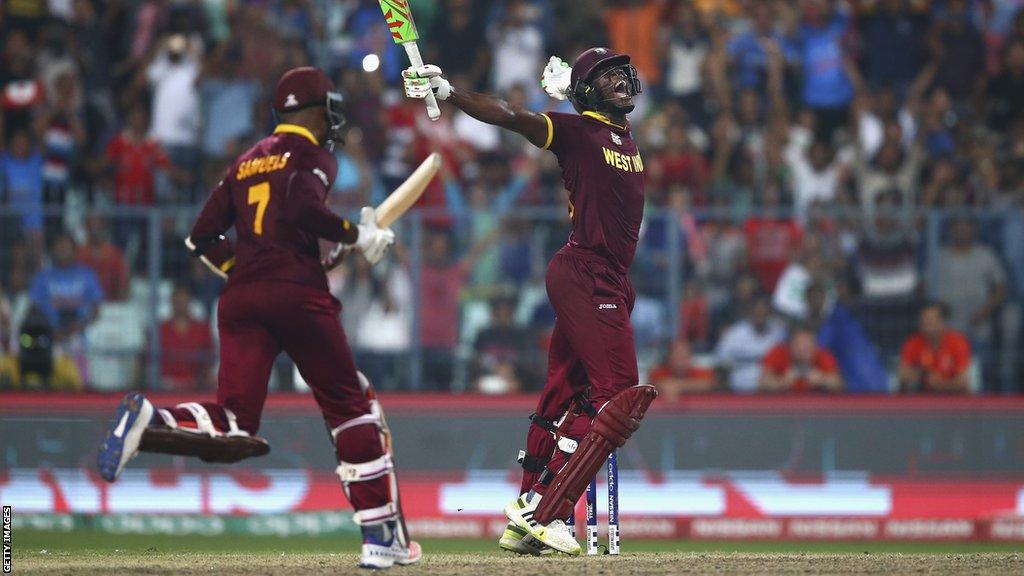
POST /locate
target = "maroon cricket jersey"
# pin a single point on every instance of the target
(268, 196)
(604, 174)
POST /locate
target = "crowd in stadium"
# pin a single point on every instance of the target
(834, 188)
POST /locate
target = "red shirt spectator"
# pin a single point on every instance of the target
(800, 365)
(187, 346)
(135, 159)
(770, 244)
(678, 374)
(681, 164)
(937, 358)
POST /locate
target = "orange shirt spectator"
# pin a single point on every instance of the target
(105, 259)
(800, 365)
(937, 358)
(632, 30)
(678, 375)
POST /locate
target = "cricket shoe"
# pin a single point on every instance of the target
(122, 441)
(382, 549)
(515, 539)
(556, 534)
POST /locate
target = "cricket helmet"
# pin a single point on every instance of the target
(590, 65)
(306, 87)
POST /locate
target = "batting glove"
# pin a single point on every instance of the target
(555, 78)
(373, 241)
(421, 81)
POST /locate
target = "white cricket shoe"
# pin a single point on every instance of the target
(515, 539)
(382, 550)
(121, 443)
(556, 534)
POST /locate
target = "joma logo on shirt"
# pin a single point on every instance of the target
(622, 161)
(262, 165)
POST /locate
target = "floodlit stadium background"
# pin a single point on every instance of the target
(875, 152)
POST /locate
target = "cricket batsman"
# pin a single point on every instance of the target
(591, 402)
(276, 298)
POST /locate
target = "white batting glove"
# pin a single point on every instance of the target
(555, 78)
(421, 81)
(373, 241)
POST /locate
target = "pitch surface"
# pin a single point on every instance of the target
(75, 553)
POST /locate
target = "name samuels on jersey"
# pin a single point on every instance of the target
(262, 165)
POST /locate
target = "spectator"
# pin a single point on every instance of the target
(681, 164)
(173, 75)
(827, 86)
(66, 292)
(186, 345)
(958, 48)
(1006, 90)
(441, 281)
(228, 100)
(517, 48)
(685, 48)
(36, 364)
(506, 355)
(892, 47)
(886, 253)
(842, 335)
(771, 238)
(21, 186)
(382, 336)
(105, 259)
(800, 365)
(789, 297)
(815, 173)
(744, 344)
(936, 358)
(135, 158)
(968, 278)
(678, 374)
(22, 93)
(458, 45)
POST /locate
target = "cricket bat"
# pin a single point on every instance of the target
(408, 192)
(398, 15)
(396, 204)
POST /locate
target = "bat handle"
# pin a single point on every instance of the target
(413, 51)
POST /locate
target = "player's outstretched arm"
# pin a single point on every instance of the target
(426, 79)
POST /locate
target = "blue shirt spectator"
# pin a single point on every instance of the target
(228, 105)
(21, 181)
(826, 84)
(841, 334)
(66, 292)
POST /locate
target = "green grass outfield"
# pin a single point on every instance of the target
(31, 542)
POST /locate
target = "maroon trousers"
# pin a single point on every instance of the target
(592, 348)
(256, 321)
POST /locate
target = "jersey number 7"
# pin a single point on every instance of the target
(259, 194)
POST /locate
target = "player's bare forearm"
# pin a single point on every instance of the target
(498, 112)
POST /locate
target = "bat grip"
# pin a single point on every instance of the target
(413, 51)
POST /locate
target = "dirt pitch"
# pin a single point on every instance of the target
(636, 564)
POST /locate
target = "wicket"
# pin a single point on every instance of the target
(613, 510)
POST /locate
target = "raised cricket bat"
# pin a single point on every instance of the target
(396, 204)
(403, 31)
(408, 192)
